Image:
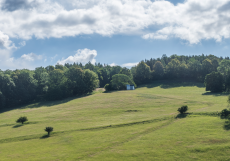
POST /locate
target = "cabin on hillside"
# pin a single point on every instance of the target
(130, 87)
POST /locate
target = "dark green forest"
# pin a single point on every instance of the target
(18, 87)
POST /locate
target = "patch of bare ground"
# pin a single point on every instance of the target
(215, 141)
(98, 89)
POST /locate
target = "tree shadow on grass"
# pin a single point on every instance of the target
(25, 123)
(181, 116)
(111, 91)
(38, 104)
(53, 103)
(18, 125)
(216, 94)
(227, 125)
(151, 85)
(173, 84)
(45, 136)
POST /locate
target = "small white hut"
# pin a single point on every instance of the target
(130, 87)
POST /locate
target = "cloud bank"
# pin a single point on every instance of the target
(12, 5)
(8, 61)
(193, 20)
(82, 56)
(129, 64)
(5, 41)
(31, 57)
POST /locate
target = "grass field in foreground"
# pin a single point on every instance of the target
(121, 125)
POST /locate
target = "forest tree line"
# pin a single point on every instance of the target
(18, 87)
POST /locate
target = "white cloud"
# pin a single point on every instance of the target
(52, 58)
(23, 43)
(129, 64)
(113, 64)
(193, 20)
(31, 57)
(82, 56)
(8, 61)
(5, 41)
(160, 34)
(124, 65)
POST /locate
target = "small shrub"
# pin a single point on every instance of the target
(183, 109)
(22, 119)
(108, 87)
(49, 130)
(224, 113)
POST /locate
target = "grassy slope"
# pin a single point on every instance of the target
(121, 125)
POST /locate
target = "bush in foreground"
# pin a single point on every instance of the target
(183, 109)
(22, 119)
(49, 130)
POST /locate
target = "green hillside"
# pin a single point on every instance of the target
(121, 125)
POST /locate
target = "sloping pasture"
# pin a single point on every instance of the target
(121, 125)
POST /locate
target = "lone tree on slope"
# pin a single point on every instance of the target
(22, 119)
(183, 109)
(49, 129)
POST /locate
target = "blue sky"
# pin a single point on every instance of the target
(123, 32)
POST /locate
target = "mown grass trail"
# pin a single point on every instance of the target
(121, 125)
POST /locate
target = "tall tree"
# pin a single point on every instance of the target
(224, 67)
(114, 70)
(158, 69)
(59, 66)
(207, 67)
(103, 76)
(26, 85)
(42, 77)
(227, 81)
(75, 82)
(173, 68)
(49, 68)
(214, 82)
(142, 74)
(215, 64)
(183, 70)
(91, 80)
(8, 93)
(127, 72)
(89, 66)
(194, 68)
(57, 88)
(2, 100)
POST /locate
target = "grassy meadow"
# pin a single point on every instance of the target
(121, 125)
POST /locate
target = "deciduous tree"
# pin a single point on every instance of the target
(142, 73)
(119, 81)
(214, 82)
(158, 69)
